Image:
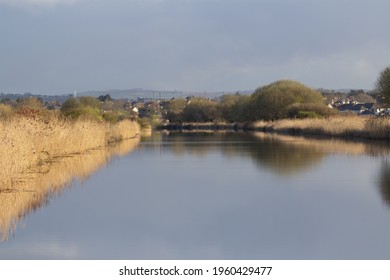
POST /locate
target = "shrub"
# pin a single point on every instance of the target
(88, 101)
(201, 110)
(274, 101)
(307, 115)
(116, 116)
(234, 108)
(86, 107)
(310, 111)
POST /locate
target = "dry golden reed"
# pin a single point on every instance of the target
(32, 147)
(41, 153)
(344, 126)
(122, 130)
(28, 142)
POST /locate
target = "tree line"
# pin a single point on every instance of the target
(281, 99)
(278, 100)
(99, 109)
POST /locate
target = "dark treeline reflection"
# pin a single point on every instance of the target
(283, 154)
(384, 181)
(272, 153)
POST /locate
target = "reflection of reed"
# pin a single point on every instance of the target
(332, 146)
(30, 190)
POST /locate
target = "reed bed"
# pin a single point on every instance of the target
(122, 130)
(41, 151)
(341, 126)
(29, 142)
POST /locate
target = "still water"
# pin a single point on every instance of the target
(212, 196)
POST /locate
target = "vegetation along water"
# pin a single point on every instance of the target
(43, 148)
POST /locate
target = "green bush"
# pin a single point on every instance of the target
(84, 107)
(88, 101)
(234, 107)
(116, 116)
(307, 115)
(310, 110)
(201, 110)
(90, 113)
(274, 101)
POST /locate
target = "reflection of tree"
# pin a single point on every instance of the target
(384, 181)
(32, 190)
(278, 155)
(197, 144)
(285, 158)
(283, 154)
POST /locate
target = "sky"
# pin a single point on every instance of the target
(59, 46)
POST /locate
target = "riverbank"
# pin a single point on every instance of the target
(30, 142)
(200, 127)
(337, 126)
(41, 155)
(368, 127)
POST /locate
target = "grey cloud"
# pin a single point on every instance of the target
(191, 45)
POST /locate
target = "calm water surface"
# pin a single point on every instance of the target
(218, 196)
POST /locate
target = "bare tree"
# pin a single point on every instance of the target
(383, 85)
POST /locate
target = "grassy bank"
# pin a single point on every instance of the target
(339, 126)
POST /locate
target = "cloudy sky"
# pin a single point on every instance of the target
(58, 46)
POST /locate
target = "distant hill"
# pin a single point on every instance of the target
(131, 94)
(149, 93)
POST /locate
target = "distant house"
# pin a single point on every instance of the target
(361, 108)
(354, 108)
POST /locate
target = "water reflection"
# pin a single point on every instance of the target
(324, 204)
(33, 189)
(282, 154)
(218, 196)
(384, 181)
